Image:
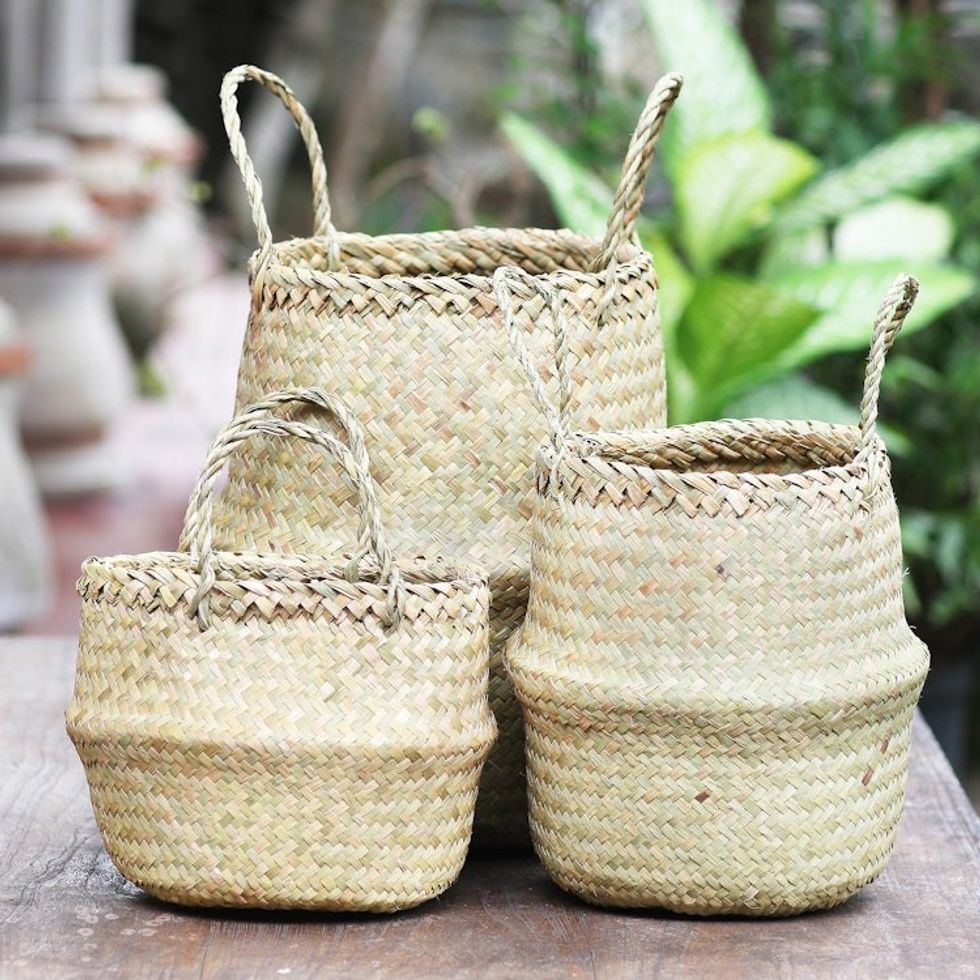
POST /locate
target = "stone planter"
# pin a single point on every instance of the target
(24, 554)
(158, 231)
(53, 249)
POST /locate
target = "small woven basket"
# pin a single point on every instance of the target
(283, 732)
(407, 325)
(716, 672)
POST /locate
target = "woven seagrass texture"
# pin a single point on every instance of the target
(408, 328)
(716, 672)
(283, 731)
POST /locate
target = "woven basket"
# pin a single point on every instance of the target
(717, 676)
(283, 732)
(407, 325)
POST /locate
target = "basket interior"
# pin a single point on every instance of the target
(470, 251)
(752, 446)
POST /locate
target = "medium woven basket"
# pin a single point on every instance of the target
(407, 325)
(283, 732)
(716, 672)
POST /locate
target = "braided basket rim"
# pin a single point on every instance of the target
(170, 577)
(287, 265)
(703, 449)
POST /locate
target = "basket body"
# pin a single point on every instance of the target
(294, 754)
(717, 675)
(411, 333)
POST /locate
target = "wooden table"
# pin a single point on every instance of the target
(66, 912)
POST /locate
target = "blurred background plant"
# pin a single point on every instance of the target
(790, 201)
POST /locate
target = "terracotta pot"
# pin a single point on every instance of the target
(25, 572)
(53, 249)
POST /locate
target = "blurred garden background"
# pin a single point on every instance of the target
(819, 148)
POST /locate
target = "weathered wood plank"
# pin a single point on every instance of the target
(64, 911)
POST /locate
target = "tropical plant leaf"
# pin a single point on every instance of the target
(723, 92)
(582, 200)
(895, 228)
(796, 396)
(793, 250)
(731, 334)
(727, 187)
(676, 283)
(849, 293)
(910, 162)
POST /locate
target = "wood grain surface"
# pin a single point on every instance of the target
(66, 912)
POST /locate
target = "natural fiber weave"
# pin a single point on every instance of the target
(407, 325)
(283, 732)
(716, 672)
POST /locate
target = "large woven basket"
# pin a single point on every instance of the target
(283, 732)
(407, 325)
(717, 676)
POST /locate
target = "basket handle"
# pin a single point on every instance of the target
(555, 415)
(197, 537)
(889, 319)
(322, 225)
(636, 168)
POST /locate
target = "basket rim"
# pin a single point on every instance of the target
(101, 734)
(274, 587)
(634, 261)
(702, 448)
(417, 573)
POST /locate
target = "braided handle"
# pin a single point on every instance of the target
(636, 168)
(555, 415)
(889, 319)
(197, 536)
(322, 226)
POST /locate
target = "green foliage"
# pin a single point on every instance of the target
(845, 291)
(871, 78)
(910, 162)
(935, 389)
(728, 187)
(731, 334)
(794, 396)
(897, 227)
(844, 294)
(722, 92)
(590, 114)
(432, 124)
(583, 201)
(839, 77)
(946, 547)
(771, 264)
(740, 191)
